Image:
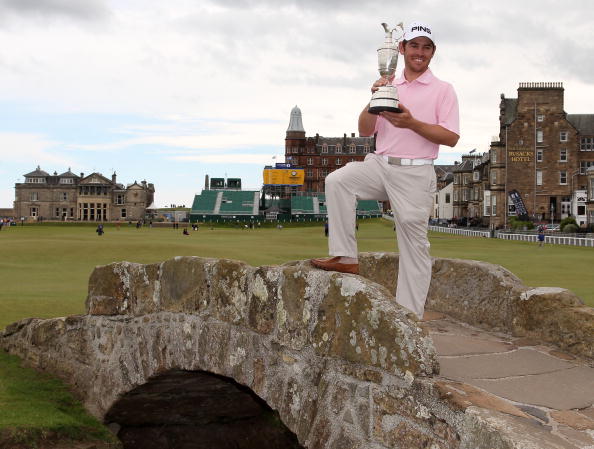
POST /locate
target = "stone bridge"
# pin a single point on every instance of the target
(330, 355)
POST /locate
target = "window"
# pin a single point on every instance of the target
(324, 161)
(34, 211)
(587, 144)
(447, 198)
(324, 148)
(563, 177)
(309, 161)
(464, 179)
(63, 196)
(539, 155)
(332, 148)
(475, 176)
(584, 165)
(592, 192)
(563, 156)
(538, 177)
(352, 149)
(123, 213)
(360, 149)
(493, 177)
(33, 196)
(465, 195)
(66, 181)
(57, 214)
(539, 136)
(309, 172)
(338, 148)
(338, 161)
(563, 136)
(487, 203)
(120, 198)
(366, 149)
(455, 196)
(540, 118)
(493, 157)
(35, 180)
(457, 178)
(295, 150)
(493, 205)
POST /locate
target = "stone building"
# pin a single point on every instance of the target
(84, 198)
(541, 156)
(320, 156)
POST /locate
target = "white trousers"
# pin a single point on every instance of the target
(410, 189)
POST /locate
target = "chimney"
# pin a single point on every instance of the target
(206, 182)
(113, 177)
(82, 175)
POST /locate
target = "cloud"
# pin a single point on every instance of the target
(229, 158)
(30, 148)
(87, 10)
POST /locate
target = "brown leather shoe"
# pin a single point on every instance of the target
(333, 264)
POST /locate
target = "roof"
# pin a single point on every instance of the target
(68, 174)
(37, 173)
(584, 123)
(295, 123)
(465, 165)
(341, 140)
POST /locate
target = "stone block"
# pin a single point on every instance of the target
(358, 322)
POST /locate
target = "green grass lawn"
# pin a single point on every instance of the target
(35, 406)
(44, 270)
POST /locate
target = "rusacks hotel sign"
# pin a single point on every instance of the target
(517, 155)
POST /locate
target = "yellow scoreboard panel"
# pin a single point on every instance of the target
(284, 176)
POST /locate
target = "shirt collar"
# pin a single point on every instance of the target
(425, 78)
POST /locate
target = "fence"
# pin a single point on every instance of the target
(524, 236)
(555, 240)
(460, 231)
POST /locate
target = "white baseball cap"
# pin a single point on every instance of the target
(418, 29)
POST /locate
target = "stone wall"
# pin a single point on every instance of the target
(491, 297)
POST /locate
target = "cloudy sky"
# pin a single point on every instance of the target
(171, 91)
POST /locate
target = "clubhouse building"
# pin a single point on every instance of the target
(80, 198)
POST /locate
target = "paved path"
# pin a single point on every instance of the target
(540, 390)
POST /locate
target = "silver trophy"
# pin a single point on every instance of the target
(386, 97)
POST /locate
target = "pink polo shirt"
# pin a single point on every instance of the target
(430, 100)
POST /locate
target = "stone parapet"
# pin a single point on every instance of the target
(491, 297)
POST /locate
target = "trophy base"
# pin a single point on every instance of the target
(384, 99)
(377, 109)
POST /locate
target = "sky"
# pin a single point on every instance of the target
(168, 92)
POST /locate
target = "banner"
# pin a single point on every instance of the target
(521, 211)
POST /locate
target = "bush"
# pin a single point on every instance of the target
(567, 221)
(514, 223)
(571, 228)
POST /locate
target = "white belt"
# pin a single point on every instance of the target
(403, 161)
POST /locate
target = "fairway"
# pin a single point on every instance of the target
(44, 269)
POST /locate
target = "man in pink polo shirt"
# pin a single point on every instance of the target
(401, 169)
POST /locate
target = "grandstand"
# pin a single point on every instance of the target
(225, 204)
(315, 204)
(225, 201)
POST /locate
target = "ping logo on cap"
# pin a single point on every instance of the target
(420, 28)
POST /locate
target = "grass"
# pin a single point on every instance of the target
(44, 270)
(35, 406)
